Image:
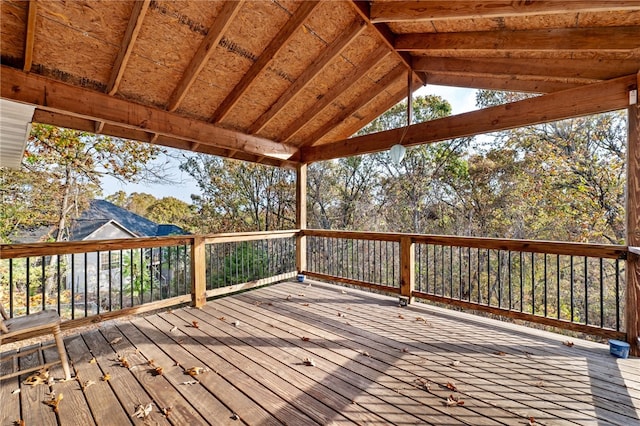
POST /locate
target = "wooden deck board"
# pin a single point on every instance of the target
(10, 400)
(368, 359)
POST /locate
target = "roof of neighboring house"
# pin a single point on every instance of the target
(100, 213)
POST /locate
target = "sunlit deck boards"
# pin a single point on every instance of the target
(368, 354)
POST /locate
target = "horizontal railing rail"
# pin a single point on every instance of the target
(573, 286)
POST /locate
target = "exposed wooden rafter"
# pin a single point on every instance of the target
(591, 99)
(358, 103)
(205, 50)
(388, 37)
(400, 11)
(509, 84)
(30, 35)
(334, 92)
(55, 96)
(600, 39)
(140, 8)
(328, 54)
(575, 69)
(278, 42)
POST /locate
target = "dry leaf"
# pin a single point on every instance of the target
(257, 303)
(19, 422)
(421, 319)
(532, 421)
(166, 411)
(158, 371)
(151, 362)
(173, 329)
(539, 384)
(340, 314)
(500, 353)
(234, 416)
(453, 401)
(15, 391)
(424, 384)
(195, 371)
(54, 402)
(455, 363)
(170, 311)
(305, 339)
(87, 384)
(116, 341)
(190, 382)
(343, 292)
(452, 386)
(568, 343)
(124, 362)
(236, 323)
(305, 304)
(365, 353)
(301, 294)
(106, 377)
(288, 297)
(269, 304)
(400, 316)
(221, 318)
(194, 324)
(309, 362)
(143, 411)
(405, 350)
(93, 360)
(39, 378)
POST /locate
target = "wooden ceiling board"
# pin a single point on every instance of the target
(13, 15)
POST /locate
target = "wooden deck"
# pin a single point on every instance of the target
(372, 359)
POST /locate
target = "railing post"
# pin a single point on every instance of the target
(198, 272)
(407, 267)
(632, 306)
(301, 217)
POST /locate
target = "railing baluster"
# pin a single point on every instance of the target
(601, 292)
(586, 291)
(533, 283)
(571, 285)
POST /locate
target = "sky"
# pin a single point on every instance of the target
(461, 100)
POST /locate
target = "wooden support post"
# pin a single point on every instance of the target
(407, 268)
(632, 310)
(301, 217)
(198, 273)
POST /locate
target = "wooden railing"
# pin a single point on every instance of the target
(91, 281)
(579, 287)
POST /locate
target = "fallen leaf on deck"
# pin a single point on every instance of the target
(87, 384)
(39, 378)
(196, 371)
(166, 411)
(106, 377)
(455, 363)
(424, 384)
(54, 402)
(221, 318)
(421, 319)
(309, 362)
(93, 360)
(301, 294)
(289, 297)
(173, 329)
(500, 353)
(190, 382)
(236, 323)
(143, 411)
(532, 421)
(400, 316)
(19, 423)
(158, 371)
(343, 292)
(269, 304)
(116, 341)
(124, 362)
(453, 400)
(257, 303)
(340, 314)
(365, 353)
(170, 311)
(452, 386)
(15, 391)
(568, 343)
(305, 304)
(234, 416)
(305, 339)
(405, 350)
(151, 362)
(194, 324)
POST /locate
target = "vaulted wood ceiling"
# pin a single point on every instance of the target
(284, 81)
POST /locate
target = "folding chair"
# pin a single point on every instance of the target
(43, 322)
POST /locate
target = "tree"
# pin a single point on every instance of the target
(171, 210)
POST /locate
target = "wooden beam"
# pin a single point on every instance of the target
(589, 70)
(407, 268)
(198, 273)
(328, 54)
(335, 92)
(229, 10)
(356, 104)
(511, 84)
(591, 99)
(399, 11)
(87, 125)
(632, 310)
(55, 96)
(301, 217)
(266, 57)
(140, 8)
(600, 39)
(30, 35)
(362, 7)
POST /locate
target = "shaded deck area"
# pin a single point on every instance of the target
(374, 363)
